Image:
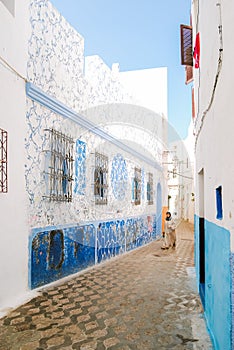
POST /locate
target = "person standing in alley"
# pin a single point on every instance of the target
(170, 234)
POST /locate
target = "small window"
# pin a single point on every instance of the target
(219, 203)
(100, 178)
(150, 189)
(3, 161)
(136, 187)
(59, 167)
(186, 45)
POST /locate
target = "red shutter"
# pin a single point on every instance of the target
(196, 53)
(186, 45)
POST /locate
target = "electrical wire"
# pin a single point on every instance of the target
(6, 64)
(219, 67)
(174, 173)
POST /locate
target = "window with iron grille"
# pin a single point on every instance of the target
(3, 161)
(186, 45)
(136, 187)
(59, 167)
(100, 178)
(150, 189)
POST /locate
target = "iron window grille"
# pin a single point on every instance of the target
(59, 167)
(3, 161)
(100, 178)
(136, 190)
(150, 189)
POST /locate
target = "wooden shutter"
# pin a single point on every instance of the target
(186, 45)
(188, 74)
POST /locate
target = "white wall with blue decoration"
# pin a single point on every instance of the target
(94, 111)
(71, 116)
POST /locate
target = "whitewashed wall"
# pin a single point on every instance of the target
(14, 226)
(149, 86)
(181, 184)
(214, 145)
(214, 128)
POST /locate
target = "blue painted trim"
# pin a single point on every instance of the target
(56, 106)
(218, 282)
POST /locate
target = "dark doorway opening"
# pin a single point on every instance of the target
(202, 260)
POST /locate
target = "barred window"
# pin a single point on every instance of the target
(136, 187)
(3, 161)
(59, 167)
(150, 189)
(100, 178)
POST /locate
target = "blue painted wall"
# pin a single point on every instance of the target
(217, 282)
(232, 296)
(56, 252)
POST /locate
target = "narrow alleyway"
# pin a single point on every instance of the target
(145, 299)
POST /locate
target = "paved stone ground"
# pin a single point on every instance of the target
(145, 299)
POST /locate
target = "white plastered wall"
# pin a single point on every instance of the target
(13, 228)
(215, 146)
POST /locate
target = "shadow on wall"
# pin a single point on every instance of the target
(59, 252)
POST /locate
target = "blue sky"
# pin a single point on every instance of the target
(137, 34)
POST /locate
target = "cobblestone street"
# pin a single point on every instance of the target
(145, 299)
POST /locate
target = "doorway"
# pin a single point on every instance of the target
(202, 248)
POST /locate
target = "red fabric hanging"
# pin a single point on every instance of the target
(196, 53)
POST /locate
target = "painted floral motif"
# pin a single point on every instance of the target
(80, 177)
(119, 177)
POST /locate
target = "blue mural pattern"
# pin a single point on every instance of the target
(119, 177)
(57, 252)
(80, 169)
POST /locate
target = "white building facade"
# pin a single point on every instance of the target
(213, 25)
(181, 179)
(13, 231)
(84, 161)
